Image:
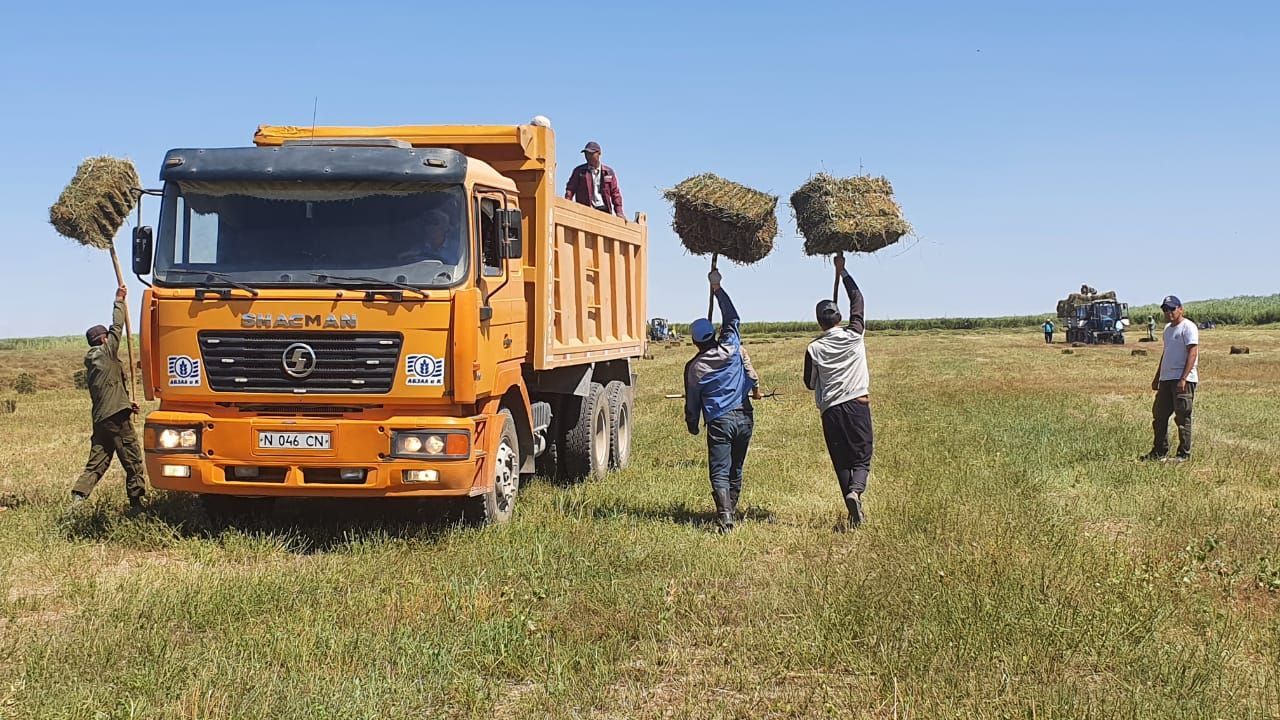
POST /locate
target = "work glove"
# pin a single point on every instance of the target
(713, 277)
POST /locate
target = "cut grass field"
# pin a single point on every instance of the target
(1017, 562)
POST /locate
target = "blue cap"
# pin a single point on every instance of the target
(702, 330)
(1170, 302)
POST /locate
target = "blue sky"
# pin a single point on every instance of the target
(1035, 146)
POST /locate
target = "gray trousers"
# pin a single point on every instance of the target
(1170, 402)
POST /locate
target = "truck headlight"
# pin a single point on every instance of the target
(443, 444)
(172, 439)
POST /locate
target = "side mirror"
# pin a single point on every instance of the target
(143, 249)
(511, 243)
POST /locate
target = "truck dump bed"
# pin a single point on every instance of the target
(585, 271)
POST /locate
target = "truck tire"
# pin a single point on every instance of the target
(619, 397)
(497, 505)
(585, 447)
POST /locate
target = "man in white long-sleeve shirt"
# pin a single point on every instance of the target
(835, 368)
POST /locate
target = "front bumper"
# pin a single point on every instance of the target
(228, 443)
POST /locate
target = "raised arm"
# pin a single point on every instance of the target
(112, 343)
(729, 319)
(857, 311)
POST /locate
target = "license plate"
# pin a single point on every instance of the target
(273, 440)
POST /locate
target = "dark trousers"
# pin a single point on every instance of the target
(114, 436)
(847, 429)
(727, 439)
(1170, 402)
(1048, 337)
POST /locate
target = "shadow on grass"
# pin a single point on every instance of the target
(302, 526)
(679, 513)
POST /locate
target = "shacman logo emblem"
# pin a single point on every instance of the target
(298, 360)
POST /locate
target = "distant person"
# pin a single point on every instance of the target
(719, 383)
(1175, 382)
(113, 432)
(440, 246)
(595, 184)
(835, 369)
(1151, 328)
(1048, 331)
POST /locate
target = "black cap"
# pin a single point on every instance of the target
(94, 332)
(827, 312)
(592, 146)
(1170, 302)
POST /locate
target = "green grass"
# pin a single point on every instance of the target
(1017, 563)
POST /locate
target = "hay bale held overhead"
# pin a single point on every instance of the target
(97, 201)
(854, 214)
(714, 215)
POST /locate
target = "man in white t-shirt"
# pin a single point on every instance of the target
(1175, 382)
(835, 369)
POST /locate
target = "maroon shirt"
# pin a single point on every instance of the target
(582, 189)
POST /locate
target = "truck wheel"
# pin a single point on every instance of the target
(586, 441)
(619, 398)
(498, 504)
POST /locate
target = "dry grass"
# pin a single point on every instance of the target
(1018, 563)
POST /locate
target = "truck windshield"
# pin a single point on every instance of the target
(285, 233)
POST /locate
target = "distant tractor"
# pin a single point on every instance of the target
(660, 331)
(1092, 317)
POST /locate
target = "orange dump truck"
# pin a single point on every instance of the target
(385, 312)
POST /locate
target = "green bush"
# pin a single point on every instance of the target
(24, 384)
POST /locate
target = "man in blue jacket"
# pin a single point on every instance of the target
(719, 383)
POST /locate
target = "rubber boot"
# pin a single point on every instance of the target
(724, 509)
(733, 503)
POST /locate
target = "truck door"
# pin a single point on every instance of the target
(500, 280)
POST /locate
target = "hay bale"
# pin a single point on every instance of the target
(9, 406)
(96, 202)
(854, 214)
(1068, 352)
(25, 384)
(1239, 350)
(1137, 352)
(1077, 344)
(714, 215)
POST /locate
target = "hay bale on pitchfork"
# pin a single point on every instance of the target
(853, 214)
(715, 216)
(96, 202)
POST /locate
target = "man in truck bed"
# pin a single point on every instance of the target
(595, 184)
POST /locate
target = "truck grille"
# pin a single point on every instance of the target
(300, 363)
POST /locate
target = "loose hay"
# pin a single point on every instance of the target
(714, 215)
(96, 202)
(855, 214)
